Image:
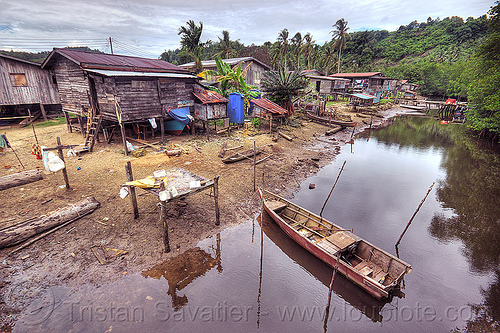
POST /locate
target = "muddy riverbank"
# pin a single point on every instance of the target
(66, 257)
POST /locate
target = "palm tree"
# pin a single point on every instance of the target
(190, 41)
(282, 85)
(308, 48)
(340, 35)
(281, 47)
(297, 43)
(226, 46)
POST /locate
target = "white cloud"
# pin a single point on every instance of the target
(152, 25)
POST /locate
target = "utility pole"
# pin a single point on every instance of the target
(111, 45)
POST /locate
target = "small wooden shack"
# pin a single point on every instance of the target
(209, 105)
(369, 82)
(25, 85)
(121, 89)
(265, 109)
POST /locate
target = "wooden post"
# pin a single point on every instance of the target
(271, 124)
(207, 129)
(163, 219)
(80, 121)
(327, 313)
(162, 128)
(44, 114)
(61, 156)
(329, 194)
(133, 198)
(254, 164)
(124, 139)
(33, 126)
(216, 198)
(68, 123)
(414, 214)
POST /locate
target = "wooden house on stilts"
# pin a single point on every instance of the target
(24, 85)
(112, 90)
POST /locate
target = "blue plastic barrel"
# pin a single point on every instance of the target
(236, 108)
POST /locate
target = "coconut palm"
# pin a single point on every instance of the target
(340, 35)
(226, 46)
(297, 46)
(282, 85)
(308, 48)
(280, 52)
(190, 41)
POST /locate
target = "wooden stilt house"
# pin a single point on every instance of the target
(24, 85)
(118, 89)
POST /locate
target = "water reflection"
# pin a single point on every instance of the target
(471, 190)
(345, 289)
(183, 269)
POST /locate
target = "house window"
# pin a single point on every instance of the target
(18, 80)
(256, 77)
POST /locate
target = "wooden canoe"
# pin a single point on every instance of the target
(240, 156)
(324, 120)
(377, 272)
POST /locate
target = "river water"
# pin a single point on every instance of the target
(249, 278)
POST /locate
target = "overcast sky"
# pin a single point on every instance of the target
(148, 27)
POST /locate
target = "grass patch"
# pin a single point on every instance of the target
(51, 122)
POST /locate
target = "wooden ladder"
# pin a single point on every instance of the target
(93, 128)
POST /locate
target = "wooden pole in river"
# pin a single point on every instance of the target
(414, 214)
(329, 194)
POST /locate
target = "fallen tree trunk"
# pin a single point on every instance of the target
(20, 178)
(334, 130)
(21, 232)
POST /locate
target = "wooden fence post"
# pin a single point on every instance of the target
(131, 188)
(216, 198)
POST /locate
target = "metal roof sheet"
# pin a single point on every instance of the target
(115, 62)
(269, 106)
(231, 62)
(20, 60)
(209, 97)
(353, 75)
(327, 78)
(145, 74)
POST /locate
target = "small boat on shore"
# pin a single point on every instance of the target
(327, 121)
(412, 107)
(240, 156)
(374, 270)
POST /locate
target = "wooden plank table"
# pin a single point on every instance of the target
(178, 180)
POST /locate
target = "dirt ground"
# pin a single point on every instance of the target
(66, 256)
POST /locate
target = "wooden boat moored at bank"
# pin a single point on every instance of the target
(324, 120)
(371, 268)
(242, 155)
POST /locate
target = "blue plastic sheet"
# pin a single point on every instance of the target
(182, 115)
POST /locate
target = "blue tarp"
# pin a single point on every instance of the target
(182, 115)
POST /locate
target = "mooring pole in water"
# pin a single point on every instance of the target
(216, 199)
(327, 312)
(414, 214)
(329, 194)
(254, 164)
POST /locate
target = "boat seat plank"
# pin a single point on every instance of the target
(276, 205)
(341, 240)
(328, 246)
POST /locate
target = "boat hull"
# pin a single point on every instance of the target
(332, 121)
(366, 283)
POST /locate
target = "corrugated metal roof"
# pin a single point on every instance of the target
(209, 97)
(363, 96)
(269, 106)
(231, 62)
(353, 75)
(145, 74)
(327, 78)
(115, 62)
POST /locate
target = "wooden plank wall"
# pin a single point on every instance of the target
(210, 111)
(73, 86)
(40, 89)
(174, 93)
